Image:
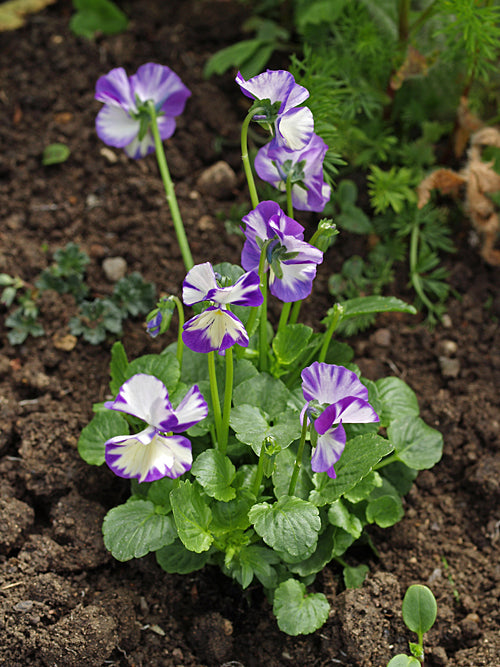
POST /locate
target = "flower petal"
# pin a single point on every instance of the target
(191, 410)
(244, 292)
(328, 451)
(327, 383)
(114, 88)
(164, 456)
(115, 127)
(139, 149)
(275, 85)
(146, 397)
(296, 283)
(348, 411)
(198, 284)
(214, 330)
(160, 84)
(295, 128)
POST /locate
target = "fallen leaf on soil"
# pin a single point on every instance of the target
(12, 13)
(467, 123)
(479, 179)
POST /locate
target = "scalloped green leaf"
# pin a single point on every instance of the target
(416, 444)
(297, 612)
(134, 529)
(215, 473)
(104, 425)
(192, 517)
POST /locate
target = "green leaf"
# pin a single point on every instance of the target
(385, 511)
(290, 524)
(368, 305)
(339, 515)
(118, 367)
(55, 154)
(289, 343)
(192, 517)
(403, 660)
(254, 560)
(284, 463)
(252, 428)
(354, 220)
(322, 555)
(299, 613)
(419, 608)
(104, 425)
(354, 577)
(363, 489)
(215, 473)
(97, 15)
(416, 444)
(357, 460)
(398, 400)
(232, 56)
(265, 392)
(134, 529)
(231, 516)
(176, 559)
(165, 367)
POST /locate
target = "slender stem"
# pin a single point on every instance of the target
(246, 160)
(298, 459)
(424, 16)
(385, 462)
(404, 22)
(215, 397)
(180, 314)
(263, 323)
(289, 203)
(228, 395)
(285, 311)
(169, 190)
(295, 312)
(260, 471)
(338, 309)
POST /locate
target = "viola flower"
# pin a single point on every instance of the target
(216, 328)
(124, 120)
(292, 128)
(309, 190)
(290, 260)
(157, 451)
(334, 396)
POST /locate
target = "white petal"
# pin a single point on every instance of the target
(198, 283)
(115, 127)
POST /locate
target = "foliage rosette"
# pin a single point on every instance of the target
(257, 448)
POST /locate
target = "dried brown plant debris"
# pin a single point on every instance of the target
(478, 179)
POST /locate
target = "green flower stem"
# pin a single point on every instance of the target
(228, 395)
(285, 311)
(246, 160)
(338, 311)
(260, 471)
(298, 459)
(169, 190)
(295, 312)
(263, 317)
(215, 397)
(385, 462)
(289, 204)
(180, 314)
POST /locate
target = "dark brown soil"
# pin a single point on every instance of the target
(63, 600)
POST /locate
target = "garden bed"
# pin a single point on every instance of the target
(63, 599)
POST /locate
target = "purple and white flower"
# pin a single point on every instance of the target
(309, 190)
(334, 396)
(292, 127)
(216, 328)
(156, 451)
(124, 120)
(290, 260)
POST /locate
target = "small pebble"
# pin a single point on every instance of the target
(114, 268)
(446, 321)
(109, 155)
(24, 606)
(450, 368)
(219, 180)
(447, 348)
(382, 337)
